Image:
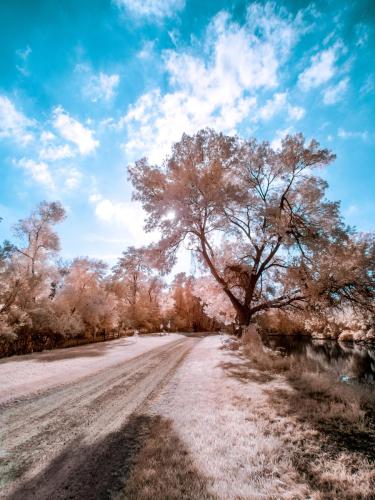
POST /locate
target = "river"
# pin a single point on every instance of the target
(349, 362)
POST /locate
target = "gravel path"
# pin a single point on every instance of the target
(21, 376)
(75, 440)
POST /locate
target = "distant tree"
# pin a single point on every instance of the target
(84, 293)
(27, 272)
(25, 267)
(37, 234)
(10, 284)
(188, 311)
(138, 289)
(257, 218)
(133, 269)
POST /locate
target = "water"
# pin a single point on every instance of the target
(348, 362)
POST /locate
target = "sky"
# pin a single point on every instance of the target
(87, 87)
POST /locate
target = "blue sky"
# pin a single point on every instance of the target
(86, 87)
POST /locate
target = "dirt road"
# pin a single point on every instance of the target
(77, 440)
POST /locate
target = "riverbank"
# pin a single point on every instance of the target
(349, 341)
(237, 425)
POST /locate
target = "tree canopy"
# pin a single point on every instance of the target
(258, 219)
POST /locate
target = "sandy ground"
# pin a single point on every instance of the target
(72, 439)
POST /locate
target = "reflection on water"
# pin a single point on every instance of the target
(350, 362)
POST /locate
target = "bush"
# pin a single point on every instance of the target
(281, 323)
(347, 325)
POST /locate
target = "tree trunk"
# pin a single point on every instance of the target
(243, 318)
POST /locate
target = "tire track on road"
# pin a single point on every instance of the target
(47, 437)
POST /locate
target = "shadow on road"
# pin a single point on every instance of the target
(145, 459)
(93, 350)
(197, 334)
(87, 351)
(83, 351)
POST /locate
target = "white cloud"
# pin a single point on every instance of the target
(296, 112)
(276, 105)
(216, 89)
(23, 55)
(129, 215)
(147, 50)
(101, 87)
(273, 106)
(65, 177)
(39, 171)
(54, 153)
(362, 35)
(368, 87)
(151, 8)
(13, 123)
(167, 117)
(333, 94)
(49, 147)
(73, 131)
(321, 69)
(71, 177)
(346, 134)
(47, 136)
(174, 35)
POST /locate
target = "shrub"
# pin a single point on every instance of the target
(281, 322)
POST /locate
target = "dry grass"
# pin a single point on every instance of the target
(208, 444)
(331, 426)
(164, 469)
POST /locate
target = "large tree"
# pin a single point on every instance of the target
(257, 218)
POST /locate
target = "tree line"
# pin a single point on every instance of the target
(271, 248)
(47, 302)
